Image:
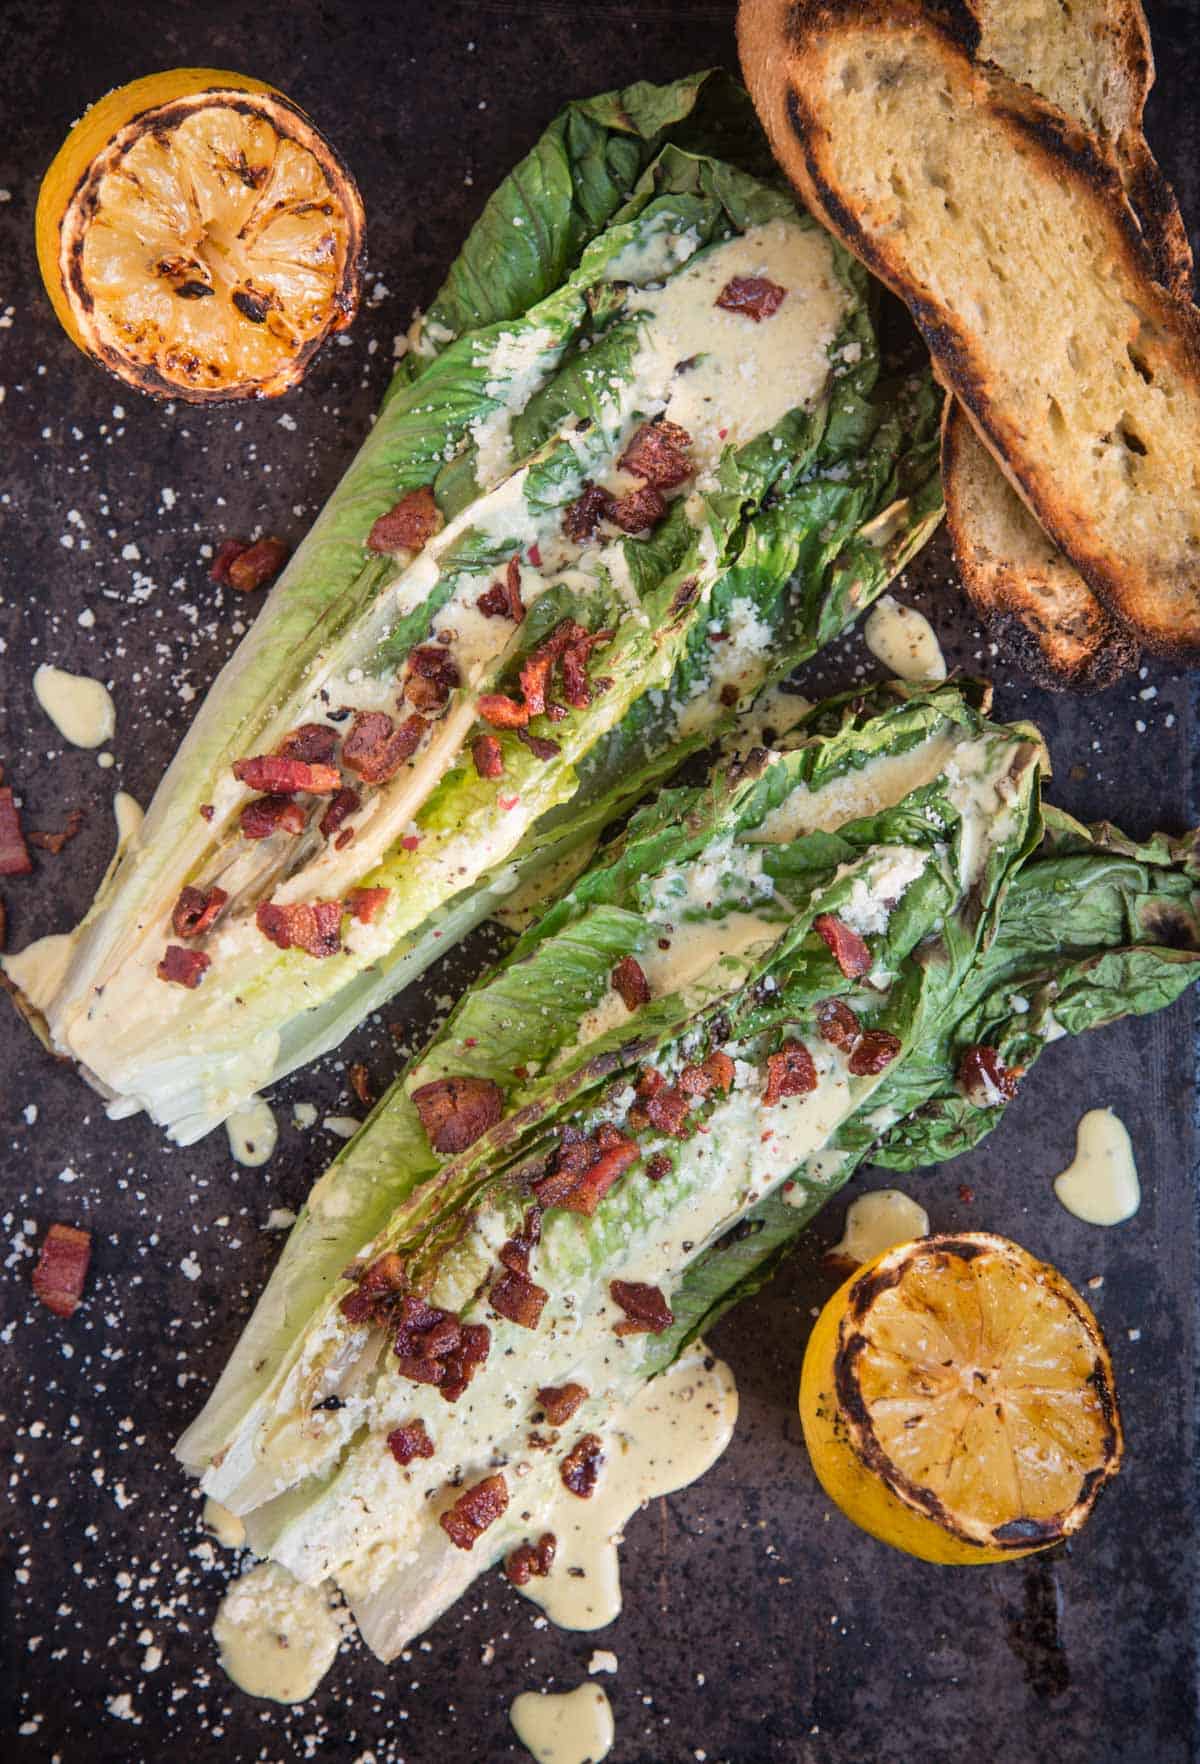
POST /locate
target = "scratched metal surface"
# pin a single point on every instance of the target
(758, 1626)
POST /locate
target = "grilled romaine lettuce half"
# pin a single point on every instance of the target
(891, 863)
(576, 315)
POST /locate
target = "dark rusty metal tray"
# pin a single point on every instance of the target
(758, 1625)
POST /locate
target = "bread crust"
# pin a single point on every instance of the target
(780, 42)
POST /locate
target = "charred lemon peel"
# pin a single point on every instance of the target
(958, 1401)
(200, 238)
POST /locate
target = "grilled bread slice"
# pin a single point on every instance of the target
(1092, 59)
(1006, 229)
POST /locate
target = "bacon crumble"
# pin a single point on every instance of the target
(14, 854)
(790, 1072)
(501, 711)
(375, 749)
(503, 599)
(875, 1051)
(255, 565)
(313, 926)
(474, 1511)
(455, 1112)
(846, 946)
(640, 510)
(54, 842)
(586, 1168)
(531, 1559)
(408, 525)
(646, 1310)
(316, 743)
(658, 453)
(365, 904)
(340, 808)
(271, 814)
(432, 674)
(658, 1166)
(61, 1269)
(755, 296)
(560, 1401)
(837, 1024)
(488, 756)
(377, 1288)
(516, 1297)
(197, 910)
(629, 980)
(360, 1083)
(580, 1468)
(227, 551)
(984, 1079)
(716, 1073)
(409, 1441)
(582, 517)
(433, 1347)
(538, 745)
(183, 967)
(280, 777)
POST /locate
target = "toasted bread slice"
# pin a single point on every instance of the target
(1093, 59)
(1007, 231)
(1037, 608)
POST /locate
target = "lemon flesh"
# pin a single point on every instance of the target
(207, 245)
(957, 1401)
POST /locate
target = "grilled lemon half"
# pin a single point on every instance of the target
(198, 237)
(957, 1401)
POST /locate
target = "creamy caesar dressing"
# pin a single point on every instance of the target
(654, 252)
(891, 871)
(857, 793)
(228, 1528)
(564, 1727)
(518, 363)
(984, 784)
(1100, 1185)
(81, 709)
(904, 641)
(876, 1221)
(38, 970)
(739, 658)
(666, 1437)
(253, 1133)
(129, 815)
(276, 1638)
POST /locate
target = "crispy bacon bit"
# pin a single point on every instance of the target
(650, 1082)
(61, 1269)
(409, 1441)
(640, 510)
(837, 1024)
(629, 980)
(585, 1169)
(360, 1083)
(846, 946)
(377, 1287)
(207, 811)
(227, 551)
(583, 516)
(271, 814)
(984, 1079)
(516, 1252)
(715, 1074)
(256, 565)
(502, 712)
(876, 1050)
(503, 599)
(538, 745)
(790, 1072)
(342, 805)
(488, 756)
(474, 1511)
(646, 1310)
(658, 1166)
(560, 1401)
(314, 743)
(432, 676)
(581, 1466)
(365, 904)
(185, 967)
(667, 1110)
(14, 855)
(455, 1112)
(409, 525)
(530, 1559)
(757, 297)
(375, 750)
(54, 842)
(658, 453)
(518, 1299)
(313, 926)
(425, 1337)
(197, 910)
(279, 776)
(465, 1361)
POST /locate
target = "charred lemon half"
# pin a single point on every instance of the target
(957, 1401)
(198, 237)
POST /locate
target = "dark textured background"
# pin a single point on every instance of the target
(759, 1626)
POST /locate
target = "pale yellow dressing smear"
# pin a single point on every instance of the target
(904, 641)
(81, 709)
(228, 1528)
(1101, 1186)
(568, 1727)
(253, 1133)
(874, 1222)
(277, 1638)
(673, 1430)
(129, 816)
